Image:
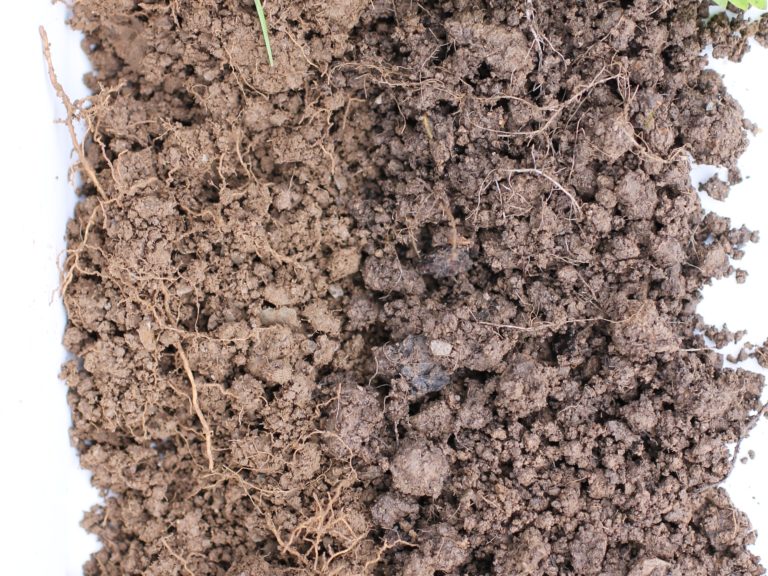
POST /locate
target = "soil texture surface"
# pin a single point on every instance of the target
(418, 300)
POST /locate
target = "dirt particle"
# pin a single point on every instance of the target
(650, 567)
(526, 556)
(588, 550)
(441, 550)
(322, 319)
(419, 469)
(391, 508)
(716, 188)
(344, 263)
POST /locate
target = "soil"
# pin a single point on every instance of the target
(419, 300)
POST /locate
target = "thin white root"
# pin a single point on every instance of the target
(536, 172)
(554, 182)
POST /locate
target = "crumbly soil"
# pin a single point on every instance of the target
(419, 300)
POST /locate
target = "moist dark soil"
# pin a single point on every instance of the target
(419, 300)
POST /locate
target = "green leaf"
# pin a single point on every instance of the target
(743, 4)
(721, 3)
(761, 4)
(264, 30)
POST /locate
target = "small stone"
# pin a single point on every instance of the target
(147, 337)
(440, 348)
(447, 262)
(335, 291)
(413, 361)
(285, 316)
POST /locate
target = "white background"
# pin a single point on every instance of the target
(745, 306)
(43, 492)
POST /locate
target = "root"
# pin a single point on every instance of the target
(761, 357)
(457, 239)
(557, 325)
(196, 405)
(72, 114)
(309, 543)
(531, 171)
(71, 264)
(73, 110)
(543, 325)
(577, 98)
(753, 421)
(530, 16)
(383, 549)
(248, 486)
(538, 38)
(554, 182)
(178, 558)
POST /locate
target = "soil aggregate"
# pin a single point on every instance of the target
(418, 300)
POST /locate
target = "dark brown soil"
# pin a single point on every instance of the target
(418, 300)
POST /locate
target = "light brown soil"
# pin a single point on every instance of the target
(418, 300)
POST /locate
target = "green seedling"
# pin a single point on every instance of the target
(743, 4)
(265, 30)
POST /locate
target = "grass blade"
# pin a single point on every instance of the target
(264, 30)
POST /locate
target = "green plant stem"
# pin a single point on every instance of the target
(264, 30)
